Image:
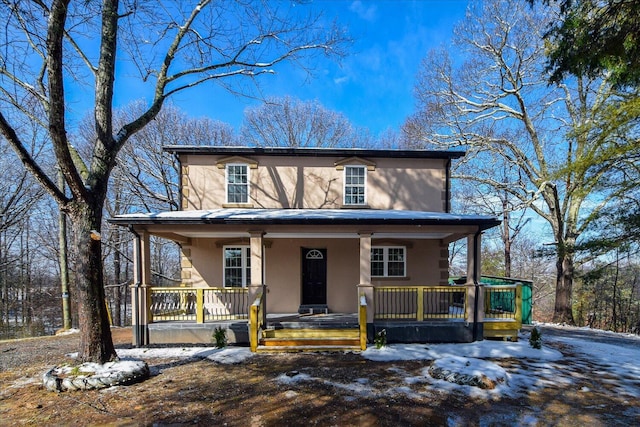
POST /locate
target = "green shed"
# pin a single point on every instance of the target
(527, 291)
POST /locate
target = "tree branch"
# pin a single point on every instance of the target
(12, 137)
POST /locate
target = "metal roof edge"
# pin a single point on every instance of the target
(448, 219)
(312, 152)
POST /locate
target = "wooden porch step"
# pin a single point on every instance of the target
(345, 333)
(305, 342)
(307, 348)
(327, 339)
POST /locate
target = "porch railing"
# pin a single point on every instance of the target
(256, 320)
(503, 303)
(419, 302)
(198, 304)
(362, 321)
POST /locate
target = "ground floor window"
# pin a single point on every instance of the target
(237, 266)
(388, 261)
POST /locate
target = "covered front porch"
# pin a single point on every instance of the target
(406, 314)
(386, 269)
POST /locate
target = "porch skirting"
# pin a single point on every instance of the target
(435, 331)
(190, 333)
(238, 332)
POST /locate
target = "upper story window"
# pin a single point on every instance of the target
(237, 183)
(355, 185)
(388, 261)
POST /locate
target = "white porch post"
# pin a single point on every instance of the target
(257, 268)
(475, 291)
(365, 287)
(140, 294)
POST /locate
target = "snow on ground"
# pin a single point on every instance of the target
(469, 360)
(480, 350)
(101, 370)
(621, 362)
(71, 331)
(515, 367)
(227, 355)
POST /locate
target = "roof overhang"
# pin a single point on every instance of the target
(303, 223)
(312, 152)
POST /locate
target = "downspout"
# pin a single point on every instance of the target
(138, 331)
(475, 284)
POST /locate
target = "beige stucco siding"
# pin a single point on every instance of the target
(203, 187)
(284, 274)
(423, 264)
(407, 184)
(290, 183)
(206, 264)
(316, 182)
(283, 269)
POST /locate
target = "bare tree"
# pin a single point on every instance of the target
(19, 196)
(151, 174)
(146, 177)
(289, 122)
(495, 101)
(48, 48)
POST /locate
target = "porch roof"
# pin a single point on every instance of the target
(360, 217)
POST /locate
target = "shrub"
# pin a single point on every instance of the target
(380, 340)
(220, 337)
(535, 340)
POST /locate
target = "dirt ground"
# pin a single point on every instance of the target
(201, 392)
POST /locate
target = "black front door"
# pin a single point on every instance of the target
(314, 276)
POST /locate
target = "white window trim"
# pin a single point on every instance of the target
(243, 262)
(226, 182)
(344, 185)
(385, 260)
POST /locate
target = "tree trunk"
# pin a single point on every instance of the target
(564, 288)
(96, 344)
(63, 260)
(506, 238)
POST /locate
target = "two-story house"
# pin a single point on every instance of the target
(312, 234)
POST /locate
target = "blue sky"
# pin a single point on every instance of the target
(373, 85)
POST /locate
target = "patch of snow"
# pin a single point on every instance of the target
(63, 332)
(480, 350)
(406, 391)
(293, 379)
(226, 355)
(88, 376)
(230, 355)
(471, 367)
